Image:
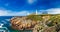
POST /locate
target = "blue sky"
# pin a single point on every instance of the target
(23, 7)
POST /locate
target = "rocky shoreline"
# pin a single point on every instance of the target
(30, 23)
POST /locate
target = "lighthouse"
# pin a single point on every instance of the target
(28, 13)
(36, 12)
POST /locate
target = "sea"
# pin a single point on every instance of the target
(5, 20)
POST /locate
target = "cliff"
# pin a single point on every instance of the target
(36, 22)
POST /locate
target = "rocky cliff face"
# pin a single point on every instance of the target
(42, 23)
(21, 23)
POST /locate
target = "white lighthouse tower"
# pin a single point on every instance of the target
(36, 12)
(28, 13)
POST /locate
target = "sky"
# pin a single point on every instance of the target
(25, 7)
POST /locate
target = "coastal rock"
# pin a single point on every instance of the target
(22, 23)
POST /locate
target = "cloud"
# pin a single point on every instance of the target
(52, 11)
(4, 12)
(13, 13)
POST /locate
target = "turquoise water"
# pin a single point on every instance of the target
(21, 31)
(12, 30)
(26, 31)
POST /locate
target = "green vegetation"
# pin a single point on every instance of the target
(35, 17)
(53, 20)
(54, 17)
